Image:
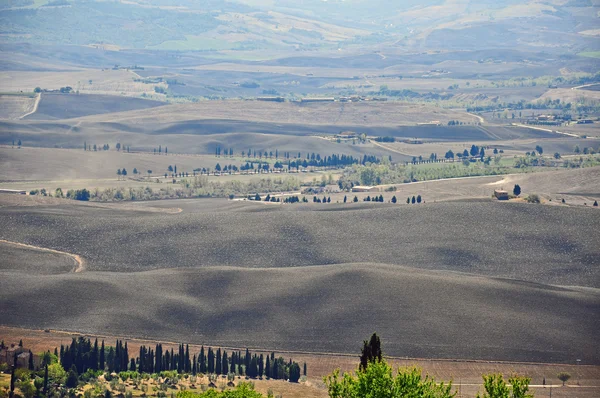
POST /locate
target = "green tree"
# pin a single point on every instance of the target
(556, 155)
(72, 378)
(539, 149)
(495, 387)
(564, 377)
(419, 199)
(378, 381)
(517, 190)
(355, 199)
(394, 200)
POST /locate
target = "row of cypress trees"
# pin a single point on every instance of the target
(84, 355)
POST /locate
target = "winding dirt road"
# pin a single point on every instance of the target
(79, 262)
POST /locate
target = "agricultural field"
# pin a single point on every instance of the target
(356, 223)
(67, 106)
(14, 107)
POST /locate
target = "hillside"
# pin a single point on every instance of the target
(67, 106)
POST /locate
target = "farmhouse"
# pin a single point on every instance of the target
(500, 194)
(346, 135)
(364, 188)
(323, 99)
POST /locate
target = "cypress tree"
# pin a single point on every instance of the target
(194, 366)
(218, 366)
(304, 373)
(211, 360)
(188, 363)
(225, 363)
(268, 368)
(132, 365)
(202, 361)
(46, 380)
(101, 364)
(31, 367)
(371, 351)
(261, 365)
(94, 356)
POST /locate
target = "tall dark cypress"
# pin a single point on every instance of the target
(211, 360)
(225, 363)
(46, 380)
(261, 366)
(194, 366)
(218, 358)
(187, 359)
(142, 360)
(268, 368)
(173, 363)
(101, 364)
(158, 362)
(94, 356)
(31, 366)
(202, 361)
(125, 359)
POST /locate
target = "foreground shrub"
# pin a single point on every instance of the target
(496, 387)
(244, 390)
(378, 381)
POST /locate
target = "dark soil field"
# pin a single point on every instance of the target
(299, 277)
(114, 239)
(67, 106)
(324, 308)
(28, 260)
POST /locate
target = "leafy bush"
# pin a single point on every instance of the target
(533, 198)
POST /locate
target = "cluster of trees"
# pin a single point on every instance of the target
(375, 199)
(18, 143)
(160, 151)
(105, 147)
(287, 199)
(414, 200)
(81, 355)
(385, 139)
(76, 194)
(375, 378)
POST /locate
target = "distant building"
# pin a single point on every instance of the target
(322, 99)
(364, 188)
(500, 194)
(346, 135)
(271, 99)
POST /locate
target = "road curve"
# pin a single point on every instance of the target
(79, 262)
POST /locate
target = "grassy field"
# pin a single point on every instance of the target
(106, 81)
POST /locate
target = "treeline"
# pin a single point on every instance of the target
(83, 355)
(105, 147)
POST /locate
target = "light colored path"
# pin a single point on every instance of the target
(547, 130)
(35, 106)
(78, 260)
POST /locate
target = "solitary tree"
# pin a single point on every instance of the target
(564, 377)
(595, 203)
(355, 199)
(394, 200)
(517, 190)
(19, 144)
(345, 198)
(539, 149)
